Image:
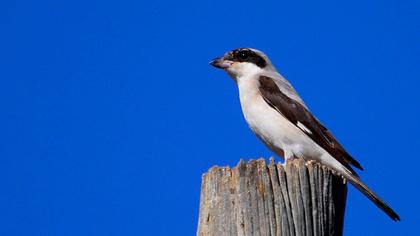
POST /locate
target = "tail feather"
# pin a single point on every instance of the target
(352, 177)
(356, 182)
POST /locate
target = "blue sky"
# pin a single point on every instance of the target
(110, 112)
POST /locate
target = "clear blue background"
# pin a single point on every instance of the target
(110, 112)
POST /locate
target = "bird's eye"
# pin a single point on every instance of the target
(243, 55)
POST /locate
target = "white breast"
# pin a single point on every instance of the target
(270, 125)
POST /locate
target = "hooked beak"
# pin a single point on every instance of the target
(220, 63)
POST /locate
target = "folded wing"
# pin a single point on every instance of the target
(296, 113)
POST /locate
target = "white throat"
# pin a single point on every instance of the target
(243, 69)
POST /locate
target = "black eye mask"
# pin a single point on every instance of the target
(246, 55)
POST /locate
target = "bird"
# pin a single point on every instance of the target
(281, 120)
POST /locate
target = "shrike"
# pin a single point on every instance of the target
(278, 116)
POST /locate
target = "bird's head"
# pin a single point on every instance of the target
(243, 62)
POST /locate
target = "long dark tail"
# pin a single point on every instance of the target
(356, 182)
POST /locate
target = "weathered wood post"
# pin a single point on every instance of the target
(255, 199)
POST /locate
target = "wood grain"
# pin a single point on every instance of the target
(299, 198)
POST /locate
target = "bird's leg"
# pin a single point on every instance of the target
(288, 156)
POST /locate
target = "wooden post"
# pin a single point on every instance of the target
(255, 199)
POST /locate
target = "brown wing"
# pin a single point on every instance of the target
(299, 115)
